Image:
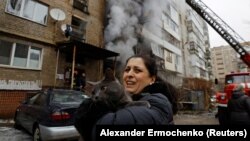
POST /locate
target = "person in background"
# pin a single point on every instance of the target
(239, 107)
(80, 80)
(83, 80)
(141, 82)
(109, 75)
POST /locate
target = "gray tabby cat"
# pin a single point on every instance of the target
(114, 96)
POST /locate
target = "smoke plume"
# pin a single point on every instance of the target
(126, 21)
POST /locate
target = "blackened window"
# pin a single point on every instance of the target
(78, 29)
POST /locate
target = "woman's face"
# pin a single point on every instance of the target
(136, 76)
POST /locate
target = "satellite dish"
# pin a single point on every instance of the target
(57, 14)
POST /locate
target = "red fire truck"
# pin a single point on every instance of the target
(231, 81)
(234, 40)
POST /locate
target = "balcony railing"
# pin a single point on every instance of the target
(78, 34)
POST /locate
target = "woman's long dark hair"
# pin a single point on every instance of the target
(170, 92)
(160, 86)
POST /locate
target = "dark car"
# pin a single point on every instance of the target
(49, 114)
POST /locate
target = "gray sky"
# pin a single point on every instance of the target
(236, 13)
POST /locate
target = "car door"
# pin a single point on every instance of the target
(33, 110)
(23, 111)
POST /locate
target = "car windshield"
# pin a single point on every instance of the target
(67, 96)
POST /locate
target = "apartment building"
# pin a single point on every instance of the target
(174, 33)
(198, 62)
(167, 44)
(150, 25)
(226, 60)
(42, 41)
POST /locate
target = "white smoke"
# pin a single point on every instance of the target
(121, 31)
(153, 10)
(127, 18)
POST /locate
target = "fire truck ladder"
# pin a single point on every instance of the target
(224, 30)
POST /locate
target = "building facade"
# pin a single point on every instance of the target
(37, 52)
(41, 42)
(226, 60)
(147, 26)
(197, 64)
(167, 44)
(174, 33)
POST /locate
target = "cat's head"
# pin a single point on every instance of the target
(112, 93)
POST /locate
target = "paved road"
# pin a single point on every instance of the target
(205, 118)
(11, 134)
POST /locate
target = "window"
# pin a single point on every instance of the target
(35, 57)
(177, 60)
(5, 52)
(169, 57)
(28, 9)
(81, 5)
(20, 55)
(78, 29)
(33, 98)
(157, 50)
(237, 78)
(40, 100)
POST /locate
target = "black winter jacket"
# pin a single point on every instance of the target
(239, 109)
(160, 113)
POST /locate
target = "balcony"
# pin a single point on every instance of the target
(193, 49)
(77, 34)
(207, 54)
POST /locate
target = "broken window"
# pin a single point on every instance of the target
(78, 29)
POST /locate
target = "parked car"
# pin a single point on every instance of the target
(49, 114)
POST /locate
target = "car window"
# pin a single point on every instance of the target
(68, 97)
(40, 100)
(32, 99)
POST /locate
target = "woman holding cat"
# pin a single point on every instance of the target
(141, 82)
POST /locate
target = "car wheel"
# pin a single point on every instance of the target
(36, 134)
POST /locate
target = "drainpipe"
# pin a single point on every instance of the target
(73, 67)
(57, 58)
